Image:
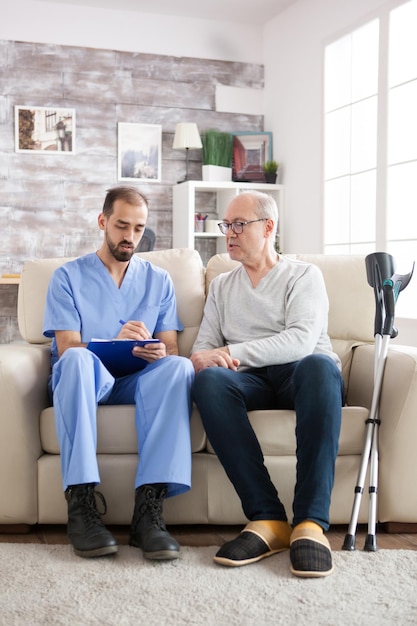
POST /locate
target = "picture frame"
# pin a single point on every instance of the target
(44, 130)
(139, 152)
(250, 152)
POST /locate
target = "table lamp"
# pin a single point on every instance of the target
(186, 137)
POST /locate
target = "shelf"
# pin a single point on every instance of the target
(190, 198)
(10, 281)
(203, 185)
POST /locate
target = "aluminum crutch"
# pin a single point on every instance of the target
(391, 289)
(387, 285)
(379, 267)
(380, 355)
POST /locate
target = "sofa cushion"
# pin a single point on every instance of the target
(116, 431)
(275, 431)
(187, 272)
(31, 297)
(352, 303)
(218, 264)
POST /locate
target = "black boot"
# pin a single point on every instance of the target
(86, 532)
(148, 529)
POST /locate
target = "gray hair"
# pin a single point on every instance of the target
(265, 206)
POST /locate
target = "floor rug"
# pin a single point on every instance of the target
(49, 585)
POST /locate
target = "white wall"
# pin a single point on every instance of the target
(46, 22)
(291, 48)
(293, 53)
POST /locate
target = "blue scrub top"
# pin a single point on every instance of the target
(83, 297)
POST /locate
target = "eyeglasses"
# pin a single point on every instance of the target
(237, 227)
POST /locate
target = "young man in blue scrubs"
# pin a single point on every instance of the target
(114, 294)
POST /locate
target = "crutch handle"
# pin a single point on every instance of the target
(380, 266)
(379, 308)
(389, 305)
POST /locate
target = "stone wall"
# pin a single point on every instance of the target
(49, 202)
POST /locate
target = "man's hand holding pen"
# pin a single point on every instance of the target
(138, 332)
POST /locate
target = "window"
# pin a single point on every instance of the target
(50, 120)
(370, 143)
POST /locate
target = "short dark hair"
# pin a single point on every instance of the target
(129, 194)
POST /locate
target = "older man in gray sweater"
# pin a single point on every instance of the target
(263, 344)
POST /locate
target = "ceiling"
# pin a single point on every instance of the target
(243, 11)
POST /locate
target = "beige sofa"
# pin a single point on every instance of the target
(30, 477)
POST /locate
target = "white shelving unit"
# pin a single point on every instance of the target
(186, 204)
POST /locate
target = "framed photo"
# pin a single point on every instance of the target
(139, 152)
(44, 129)
(250, 151)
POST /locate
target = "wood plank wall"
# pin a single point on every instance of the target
(49, 202)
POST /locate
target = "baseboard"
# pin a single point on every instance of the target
(15, 529)
(398, 527)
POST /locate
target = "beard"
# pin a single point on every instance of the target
(118, 252)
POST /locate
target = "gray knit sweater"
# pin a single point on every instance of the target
(281, 320)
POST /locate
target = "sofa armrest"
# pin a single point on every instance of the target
(397, 491)
(24, 371)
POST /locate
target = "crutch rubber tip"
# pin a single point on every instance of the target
(349, 543)
(370, 543)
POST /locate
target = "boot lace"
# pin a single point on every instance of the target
(153, 507)
(88, 504)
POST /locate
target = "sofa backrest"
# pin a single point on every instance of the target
(184, 266)
(351, 299)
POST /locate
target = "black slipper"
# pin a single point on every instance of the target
(310, 554)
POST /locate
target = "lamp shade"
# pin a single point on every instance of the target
(186, 136)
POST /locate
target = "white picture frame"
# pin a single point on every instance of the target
(45, 130)
(139, 152)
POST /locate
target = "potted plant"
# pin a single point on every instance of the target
(217, 155)
(271, 170)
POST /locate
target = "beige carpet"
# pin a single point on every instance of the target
(42, 584)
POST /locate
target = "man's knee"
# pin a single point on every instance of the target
(209, 379)
(316, 366)
(76, 352)
(171, 371)
(76, 364)
(318, 375)
(75, 357)
(177, 365)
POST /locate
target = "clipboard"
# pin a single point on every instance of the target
(116, 355)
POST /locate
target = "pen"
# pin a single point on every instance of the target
(123, 323)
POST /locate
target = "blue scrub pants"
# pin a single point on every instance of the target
(313, 387)
(161, 393)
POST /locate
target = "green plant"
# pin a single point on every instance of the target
(270, 167)
(217, 148)
(277, 247)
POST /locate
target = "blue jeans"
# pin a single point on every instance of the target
(313, 387)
